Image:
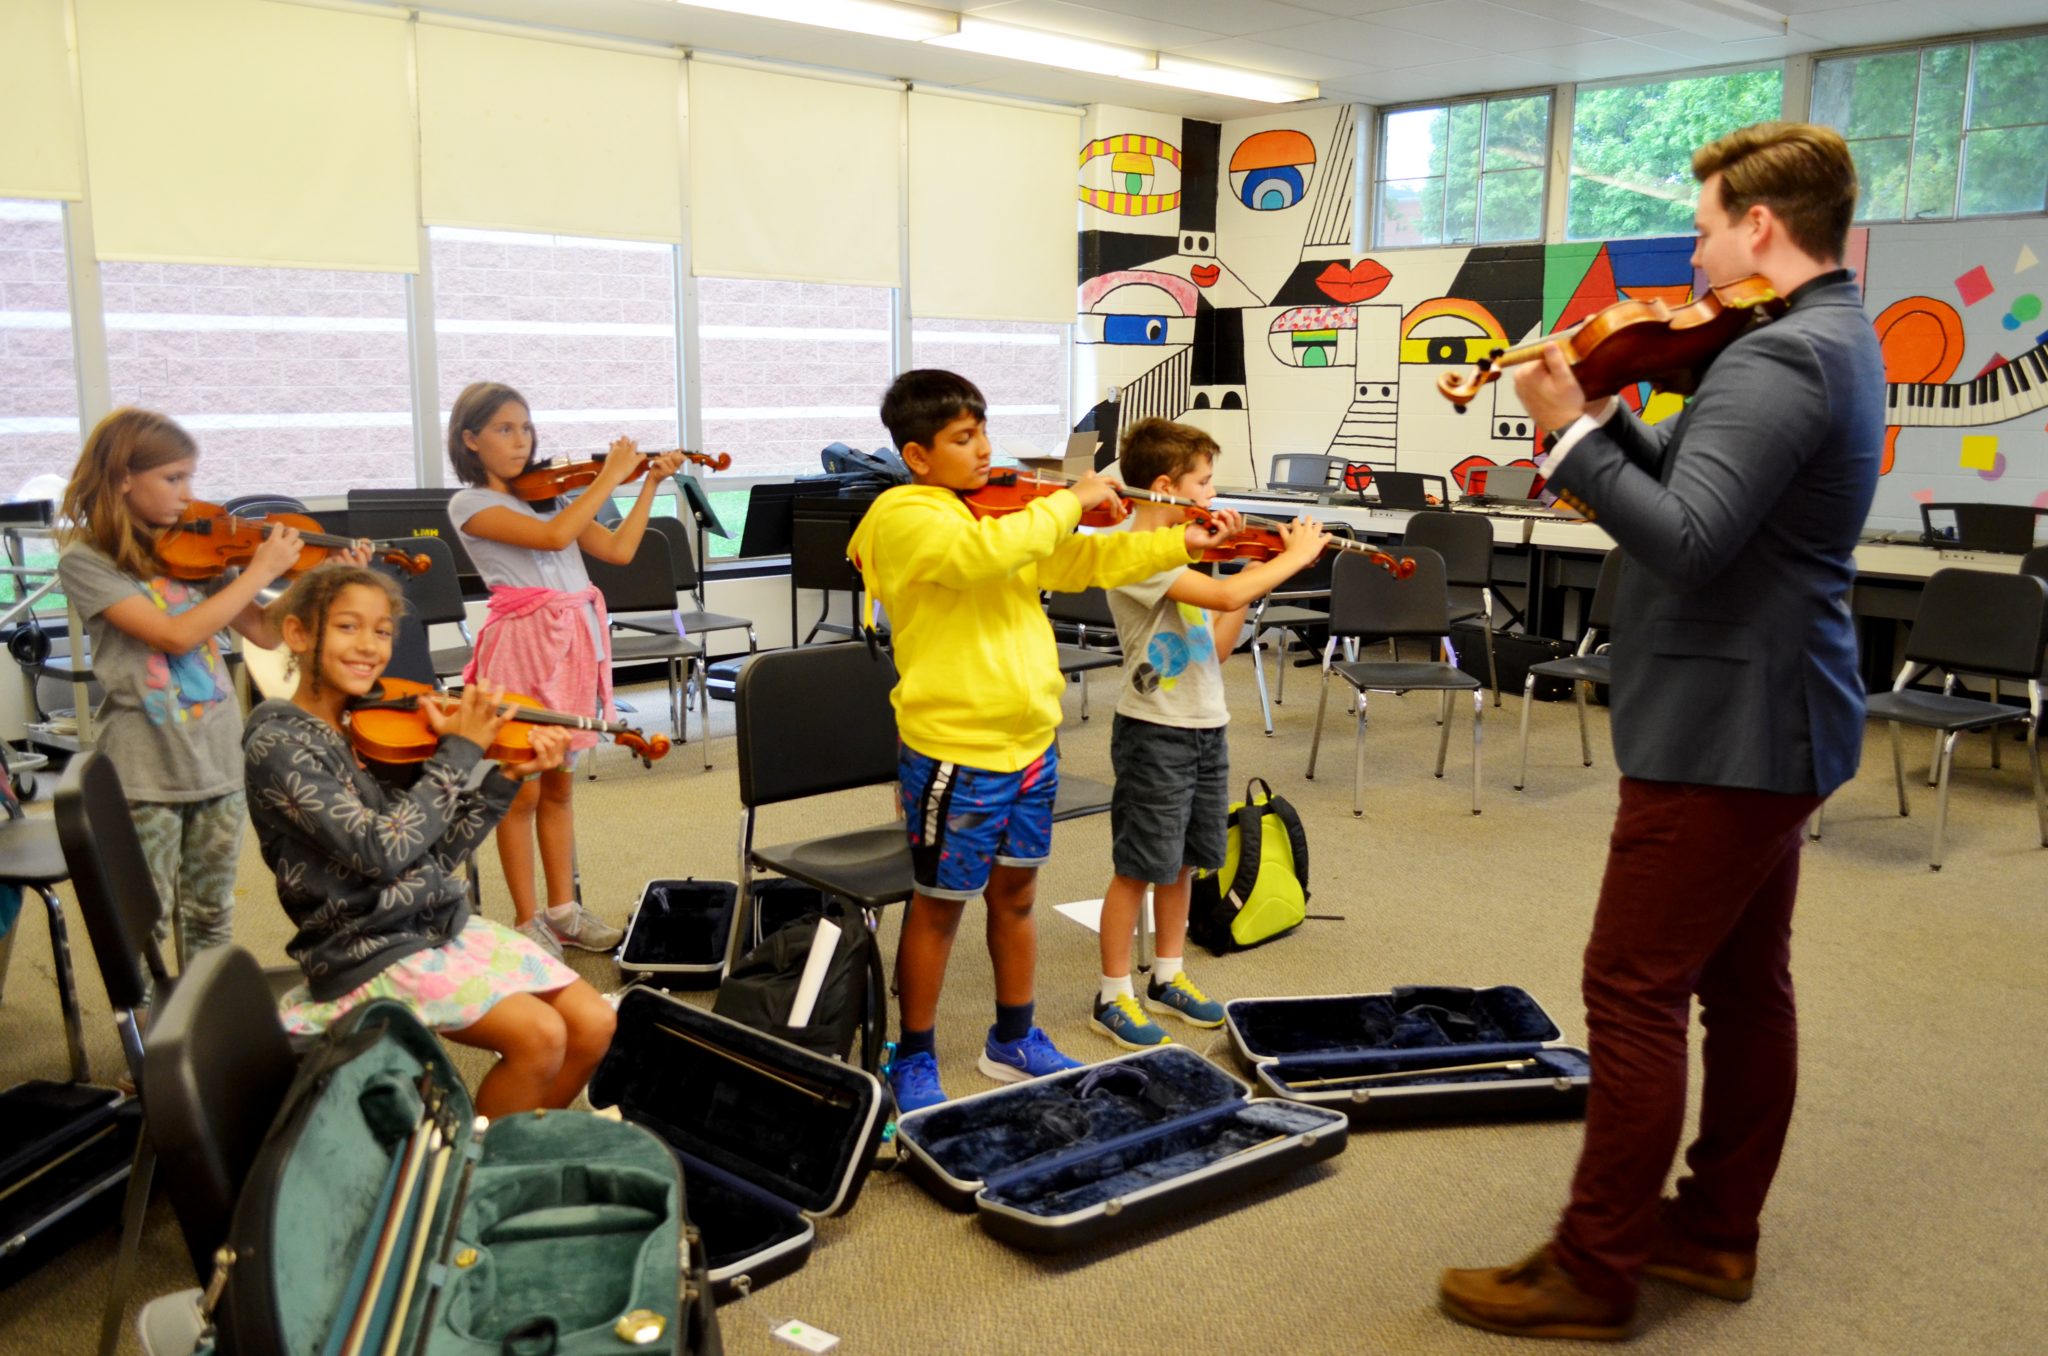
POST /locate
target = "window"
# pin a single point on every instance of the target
(788, 368)
(293, 380)
(1959, 130)
(1463, 173)
(1021, 370)
(38, 390)
(585, 329)
(1632, 148)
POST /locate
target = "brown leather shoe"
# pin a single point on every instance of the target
(1533, 1298)
(1713, 1271)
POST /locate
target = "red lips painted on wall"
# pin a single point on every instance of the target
(1205, 275)
(1363, 281)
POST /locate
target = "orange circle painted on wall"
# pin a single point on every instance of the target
(1921, 338)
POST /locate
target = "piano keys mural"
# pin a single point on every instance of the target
(1218, 287)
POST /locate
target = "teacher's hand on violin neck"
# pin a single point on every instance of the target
(1550, 390)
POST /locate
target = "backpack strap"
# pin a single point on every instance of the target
(1250, 833)
(1297, 839)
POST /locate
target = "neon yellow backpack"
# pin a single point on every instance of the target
(1262, 891)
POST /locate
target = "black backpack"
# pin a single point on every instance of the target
(852, 1004)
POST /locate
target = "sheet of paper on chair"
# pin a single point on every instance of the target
(1088, 913)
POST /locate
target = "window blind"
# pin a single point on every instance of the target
(39, 149)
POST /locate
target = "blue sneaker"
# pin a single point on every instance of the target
(1123, 1021)
(1181, 998)
(915, 1081)
(1034, 1056)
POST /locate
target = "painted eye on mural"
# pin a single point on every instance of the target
(1134, 329)
(1269, 170)
(1131, 175)
(1449, 331)
(1315, 336)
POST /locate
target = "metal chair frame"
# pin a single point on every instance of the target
(1588, 666)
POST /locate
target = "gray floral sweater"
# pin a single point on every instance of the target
(370, 874)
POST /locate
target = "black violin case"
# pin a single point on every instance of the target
(65, 1152)
(1075, 1157)
(1408, 1055)
(680, 929)
(571, 1227)
(770, 1136)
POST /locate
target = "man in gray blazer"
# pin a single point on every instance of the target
(1738, 706)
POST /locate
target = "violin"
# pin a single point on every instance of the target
(551, 478)
(387, 726)
(208, 539)
(1632, 341)
(1261, 540)
(1010, 490)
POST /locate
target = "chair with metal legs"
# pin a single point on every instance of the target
(1365, 600)
(1588, 666)
(1088, 613)
(646, 583)
(32, 859)
(1465, 541)
(1969, 621)
(1282, 610)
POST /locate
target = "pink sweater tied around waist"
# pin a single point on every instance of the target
(537, 642)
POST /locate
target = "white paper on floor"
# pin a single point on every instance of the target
(1088, 913)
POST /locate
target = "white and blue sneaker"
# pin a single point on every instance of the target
(1180, 997)
(1034, 1056)
(1123, 1021)
(915, 1081)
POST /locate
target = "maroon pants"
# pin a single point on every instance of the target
(1697, 900)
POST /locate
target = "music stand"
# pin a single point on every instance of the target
(767, 529)
(707, 520)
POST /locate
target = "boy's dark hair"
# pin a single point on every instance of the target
(1801, 171)
(1159, 447)
(921, 402)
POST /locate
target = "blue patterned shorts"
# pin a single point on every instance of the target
(965, 820)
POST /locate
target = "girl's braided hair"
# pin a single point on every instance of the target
(311, 596)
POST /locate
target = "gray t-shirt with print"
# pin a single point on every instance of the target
(170, 723)
(1172, 675)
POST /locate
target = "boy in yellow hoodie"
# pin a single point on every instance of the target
(977, 702)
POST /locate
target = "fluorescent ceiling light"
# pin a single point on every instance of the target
(1233, 81)
(882, 18)
(1047, 49)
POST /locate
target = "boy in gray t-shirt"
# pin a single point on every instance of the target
(1169, 811)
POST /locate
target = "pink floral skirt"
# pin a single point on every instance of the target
(447, 987)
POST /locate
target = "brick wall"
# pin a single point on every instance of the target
(38, 389)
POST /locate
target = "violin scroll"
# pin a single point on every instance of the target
(411, 564)
(647, 748)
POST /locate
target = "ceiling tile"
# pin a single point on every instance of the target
(1232, 18)
(1369, 44)
(1355, 9)
(1089, 21)
(1484, 75)
(1261, 56)
(1606, 59)
(1599, 19)
(1489, 26)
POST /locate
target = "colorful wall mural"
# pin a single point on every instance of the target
(1218, 287)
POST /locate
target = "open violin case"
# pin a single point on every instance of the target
(770, 1136)
(1075, 1157)
(680, 929)
(1421, 1052)
(554, 1231)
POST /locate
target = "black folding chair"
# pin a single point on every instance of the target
(1282, 610)
(647, 583)
(215, 1068)
(1367, 602)
(811, 721)
(1465, 541)
(1590, 665)
(31, 858)
(693, 621)
(117, 895)
(1969, 621)
(1088, 614)
(435, 597)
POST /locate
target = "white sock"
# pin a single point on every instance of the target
(1118, 987)
(1164, 968)
(562, 913)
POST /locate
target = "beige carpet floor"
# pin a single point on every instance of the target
(1907, 1217)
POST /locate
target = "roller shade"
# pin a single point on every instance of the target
(1011, 257)
(792, 179)
(525, 135)
(39, 146)
(242, 132)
